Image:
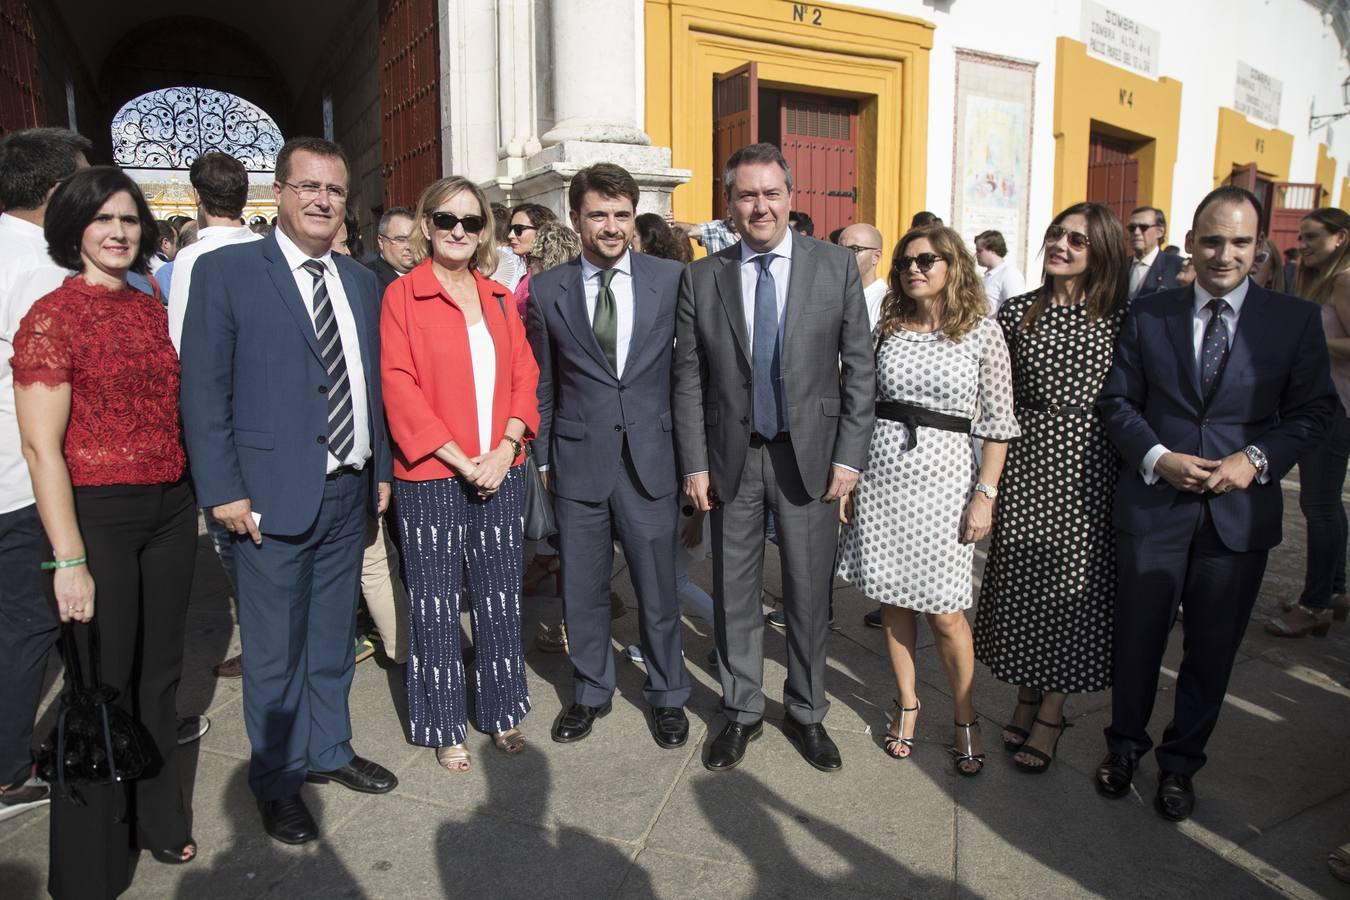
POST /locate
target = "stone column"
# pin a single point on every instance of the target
(516, 81)
(594, 72)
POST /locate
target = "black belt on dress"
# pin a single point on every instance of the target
(1052, 410)
(915, 416)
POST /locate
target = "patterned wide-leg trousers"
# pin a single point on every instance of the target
(454, 542)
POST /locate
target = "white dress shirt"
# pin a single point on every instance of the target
(351, 343)
(781, 270)
(621, 286)
(1000, 283)
(27, 274)
(873, 294)
(1199, 319)
(1139, 270)
(212, 237)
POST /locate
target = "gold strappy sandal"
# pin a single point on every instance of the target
(454, 758)
(510, 741)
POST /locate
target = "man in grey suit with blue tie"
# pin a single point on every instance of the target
(775, 393)
(282, 417)
(602, 328)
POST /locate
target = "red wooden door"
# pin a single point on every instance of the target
(735, 122)
(410, 107)
(21, 101)
(1250, 178)
(1113, 175)
(820, 141)
(1291, 203)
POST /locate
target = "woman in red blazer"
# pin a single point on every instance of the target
(460, 381)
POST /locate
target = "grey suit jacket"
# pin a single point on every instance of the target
(586, 411)
(829, 373)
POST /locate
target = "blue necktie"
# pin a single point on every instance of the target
(766, 414)
(1214, 347)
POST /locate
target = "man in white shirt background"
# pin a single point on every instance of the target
(865, 242)
(32, 164)
(1151, 270)
(1001, 279)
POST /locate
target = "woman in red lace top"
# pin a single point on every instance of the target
(96, 389)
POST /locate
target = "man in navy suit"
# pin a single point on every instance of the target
(282, 417)
(1151, 270)
(603, 329)
(1216, 391)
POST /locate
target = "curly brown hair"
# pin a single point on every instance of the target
(962, 298)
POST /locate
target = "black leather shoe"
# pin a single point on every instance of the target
(670, 726)
(576, 722)
(813, 744)
(1114, 776)
(728, 748)
(288, 820)
(358, 775)
(1176, 797)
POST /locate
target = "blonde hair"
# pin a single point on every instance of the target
(554, 244)
(1316, 284)
(436, 193)
(962, 298)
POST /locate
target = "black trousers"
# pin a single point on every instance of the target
(28, 628)
(1182, 562)
(1321, 477)
(141, 541)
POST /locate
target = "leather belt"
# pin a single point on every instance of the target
(341, 471)
(1053, 410)
(759, 440)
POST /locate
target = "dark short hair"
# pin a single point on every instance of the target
(1159, 220)
(355, 246)
(317, 146)
(836, 234)
(992, 241)
(924, 218)
(605, 179)
(167, 233)
(802, 222)
(32, 161)
(1228, 193)
(221, 183)
(78, 200)
(393, 213)
(761, 153)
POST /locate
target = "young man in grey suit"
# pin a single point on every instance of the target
(775, 395)
(602, 328)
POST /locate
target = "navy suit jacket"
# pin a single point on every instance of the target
(1275, 392)
(1162, 275)
(254, 390)
(585, 409)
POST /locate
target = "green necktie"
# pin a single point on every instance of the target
(606, 321)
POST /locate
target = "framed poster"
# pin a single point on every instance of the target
(991, 170)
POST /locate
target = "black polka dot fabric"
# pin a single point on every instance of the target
(903, 546)
(1048, 591)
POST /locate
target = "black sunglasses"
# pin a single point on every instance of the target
(1077, 240)
(518, 230)
(445, 221)
(1138, 226)
(926, 261)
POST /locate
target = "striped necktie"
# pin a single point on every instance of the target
(341, 424)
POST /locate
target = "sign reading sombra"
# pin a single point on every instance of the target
(1119, 39)
(1257, 94)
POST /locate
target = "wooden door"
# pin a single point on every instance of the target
(21, 101)
(1291, 203)
(820, 141)
(1249, 178)
(735, 122)
(1113, 175)
(410, 106)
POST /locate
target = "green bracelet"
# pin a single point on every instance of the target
(65, 563)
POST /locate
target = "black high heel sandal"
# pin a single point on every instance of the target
(175, 857)
(966, 756)
(1022, 733)
(1045, 758)
(891, 741)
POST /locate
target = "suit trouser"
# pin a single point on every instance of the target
(646, 528)
(1321, 478)
(141, 541)
(297, 622)
(382, 587)
(1183, 561)
(808, 535)
(28, 628)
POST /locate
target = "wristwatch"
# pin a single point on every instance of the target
(516, 445)
(989, 490)
(1256, 457)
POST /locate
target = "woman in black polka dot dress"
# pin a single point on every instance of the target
(1047, 597)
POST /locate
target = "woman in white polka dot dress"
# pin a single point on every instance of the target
(1048, 592)
(923, 502)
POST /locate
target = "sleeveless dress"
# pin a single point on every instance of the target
(1048, 593)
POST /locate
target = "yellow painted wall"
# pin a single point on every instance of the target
(809, 46)
(1133, 106)
(1326, 174)
(1345, 194)
(1241, 143)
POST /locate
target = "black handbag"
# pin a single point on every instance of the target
(538, 506)
(94, 740)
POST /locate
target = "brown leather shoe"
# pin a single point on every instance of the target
(231, 668)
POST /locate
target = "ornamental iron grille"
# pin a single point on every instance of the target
(170, 128)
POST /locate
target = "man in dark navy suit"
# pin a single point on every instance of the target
(1151, 270)
(282, 417)
(1216, 391)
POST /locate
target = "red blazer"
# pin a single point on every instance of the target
(427, 372)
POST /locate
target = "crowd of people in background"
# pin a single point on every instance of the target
(366, 439)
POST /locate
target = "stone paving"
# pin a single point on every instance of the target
(615, 816)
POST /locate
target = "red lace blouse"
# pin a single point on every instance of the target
(112, 347)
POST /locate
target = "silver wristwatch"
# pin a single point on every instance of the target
(1256, 456)
(988, 490)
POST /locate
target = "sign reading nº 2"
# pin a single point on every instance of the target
(802, 12)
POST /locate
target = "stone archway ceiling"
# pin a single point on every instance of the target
(294, 33)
